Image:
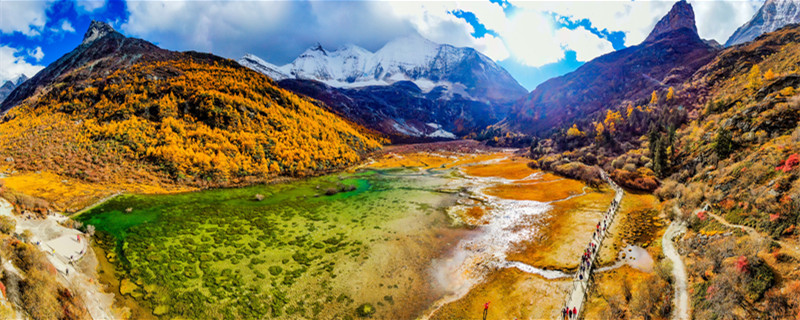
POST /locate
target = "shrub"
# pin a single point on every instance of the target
(365, 310)
(634, 180)
(7, 225)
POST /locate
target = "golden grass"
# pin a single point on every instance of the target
(513, 169)
(565, 232)
(513, 294)
(414, 160)
(428, 160)
(70, 195)
(636, 224)
(542, 191)
(609, 284)
(475, 159)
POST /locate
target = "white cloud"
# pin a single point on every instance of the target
(13, 65)
(66, 26)
(36, 54)
(586, 45)
(718, 19)
(531, 39)
(88, 6)
(435, 21)
(27, 17)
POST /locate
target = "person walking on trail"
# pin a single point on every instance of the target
(574, 312)
(570, 313)
(486, 310)
(564, 313)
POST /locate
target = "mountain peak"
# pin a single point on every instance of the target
(318, 47)
(680, 16)
(773, 15)
(96, 31)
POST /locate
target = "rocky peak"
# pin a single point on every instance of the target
(680, 16)
(318, 47)
(22, 78)
(773, 15)
(96, 31)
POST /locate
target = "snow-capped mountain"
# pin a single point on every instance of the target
(461, 71)
(10, 85)
(773, 15)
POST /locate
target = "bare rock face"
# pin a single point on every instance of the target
(96, 31)
(680, 16)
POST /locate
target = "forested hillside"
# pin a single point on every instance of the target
(195, 119)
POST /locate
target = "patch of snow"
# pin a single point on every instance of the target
(441, 134)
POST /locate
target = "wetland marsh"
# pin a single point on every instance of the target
(408, 236)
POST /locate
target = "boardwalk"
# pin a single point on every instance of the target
(582, 279)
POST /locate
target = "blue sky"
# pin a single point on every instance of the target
(533, 40)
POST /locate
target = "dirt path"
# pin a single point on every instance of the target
(790, 248)
(681, 297)
(581, 282)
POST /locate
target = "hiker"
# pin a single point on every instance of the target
(570, 313)
(79, 238)
(575, 312)
(485, 309)
(564, 313)
(67, 269)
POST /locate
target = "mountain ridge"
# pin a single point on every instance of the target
(410, 58)
(119, 109)
(668, 56)
(773, 15)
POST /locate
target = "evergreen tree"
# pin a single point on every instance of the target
(723, 143)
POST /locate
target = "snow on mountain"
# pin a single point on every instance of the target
(255, 63)
(773, 15)
(462, 71)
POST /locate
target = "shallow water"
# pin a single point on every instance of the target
(393, 239)
(296, 253)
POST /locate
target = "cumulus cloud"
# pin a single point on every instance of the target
(275, 30)
(718, 19)
(26, 17)
(635, 18)
(66, 26)
(88, 6)
(280, 30)
(586, 45)
(12, 64)
(37, 54)
(436, 22)
(532, 40)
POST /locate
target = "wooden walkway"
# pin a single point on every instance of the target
(582, 280)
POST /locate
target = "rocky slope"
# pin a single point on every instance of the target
(773, 15)
(402, 110)
(670, 55)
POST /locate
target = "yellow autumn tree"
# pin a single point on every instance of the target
(654, 98)
(629, 111)
(754, 78)
(598, 130)
(769, 75)
(670, 94)
(574, 132)
(612, 120)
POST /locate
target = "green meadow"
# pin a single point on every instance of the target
(314, 248)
